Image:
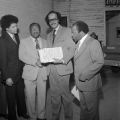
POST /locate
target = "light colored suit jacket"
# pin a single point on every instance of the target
(29, 55)
(63, 39)
(88, 62)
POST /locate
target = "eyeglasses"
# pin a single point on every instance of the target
(53, 19)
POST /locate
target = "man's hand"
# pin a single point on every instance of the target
(9, 82)
(58, 60)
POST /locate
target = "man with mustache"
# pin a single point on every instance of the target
(60, 70)
(34, 73)
(88, 61)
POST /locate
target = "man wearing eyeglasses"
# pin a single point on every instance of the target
(60, 70)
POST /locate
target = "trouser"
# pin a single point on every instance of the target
(16, 99)
(36, 97)
(60, 95)
(89, 106)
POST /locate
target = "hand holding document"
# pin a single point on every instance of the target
(50, 54)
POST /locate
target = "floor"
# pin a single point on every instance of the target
(110, 97)
(109, 108)
(110, 103)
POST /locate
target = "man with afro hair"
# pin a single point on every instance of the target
(12, 68)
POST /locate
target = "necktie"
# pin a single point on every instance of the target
(53, 36)
(14, 39)
(37, 47)
(37, 44)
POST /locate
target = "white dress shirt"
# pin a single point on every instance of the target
(79, 44)
(13, 37)
(56, 29)
(81, 41)
(39, 39)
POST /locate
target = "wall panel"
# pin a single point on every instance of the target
(90, 11)
(27, 11)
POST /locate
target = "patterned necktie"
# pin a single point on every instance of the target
(53, 36)
(37, 47)
(37, 44)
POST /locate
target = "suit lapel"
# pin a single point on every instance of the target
(44, 43)
(7, 37)
(76, 48)
(41, 42)
(56, 37)
(17, 39)
(82, 48)
(58, 33)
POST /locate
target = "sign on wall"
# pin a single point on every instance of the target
(112, 3)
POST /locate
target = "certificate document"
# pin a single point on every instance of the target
(75, 92)
(49, 54)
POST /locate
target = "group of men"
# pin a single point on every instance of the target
(25, 77)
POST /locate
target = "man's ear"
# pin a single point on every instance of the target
(82, 33)
(7, 29)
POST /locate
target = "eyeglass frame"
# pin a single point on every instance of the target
(52, 19)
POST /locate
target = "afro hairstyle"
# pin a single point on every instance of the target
(7, 20)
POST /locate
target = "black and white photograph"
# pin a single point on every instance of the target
(59, 59)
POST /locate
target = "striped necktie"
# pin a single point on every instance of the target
(37, 44)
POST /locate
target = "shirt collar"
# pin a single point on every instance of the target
(82, 40)
(33, 39)
(11, 35)
(39, 39)
(56, 29)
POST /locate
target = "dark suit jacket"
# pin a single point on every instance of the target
(10, 64)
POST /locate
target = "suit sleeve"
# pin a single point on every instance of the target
(97, 58)
(3, 58)
(24, 54)
(9, 62)
(69, 47)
